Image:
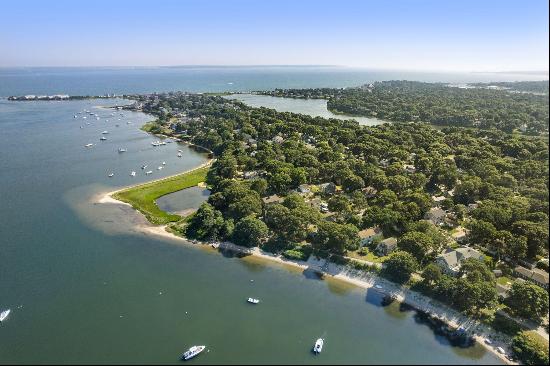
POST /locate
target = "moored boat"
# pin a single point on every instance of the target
(192, 352)
(318, 347)
(253, 301)
(133, 174)
(4, 314)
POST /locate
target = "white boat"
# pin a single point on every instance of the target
(192, 352)
(253, 301)
(105, 132)
(128, 123)
(180, 151)
(88, 145)
(84, 117)
(143, 166)
(111, 175)
(75, 116)
(149, 172)
(163, 163)
(133, 174)
(501, 350)
(378, 287)
(103, 138)
(4, 315)
(121, 150)
(160, 167)
(179, 155)
(318, 347)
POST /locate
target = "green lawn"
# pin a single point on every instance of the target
(143, 197)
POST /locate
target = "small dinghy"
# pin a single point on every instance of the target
(318, 347)
(4, 315)
(133, 174)
(111, 175)
(253, 301)
(192, 352)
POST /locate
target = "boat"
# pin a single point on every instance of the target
(160, 167)
(75, 116)
(179, 155)
(103, 138)
(88, 145)
(143, 166)
(149, 172)
(180, 151)
(105, 132)
(253, 301)
(133, 174)
(192, 352)
(318, 347)
(128, 123)
(378, 287)
(84, 117)
(111, 175)
(4, 315)
(501, 350)
(121, 150)
(163, 163)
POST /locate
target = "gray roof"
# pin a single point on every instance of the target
(453, 258)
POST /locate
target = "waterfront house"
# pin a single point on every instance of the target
(367, 236)
(535, 275)
(386, 246)
(451, 261)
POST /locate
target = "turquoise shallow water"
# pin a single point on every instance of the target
(85, 287)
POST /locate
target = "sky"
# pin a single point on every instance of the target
(434, 35)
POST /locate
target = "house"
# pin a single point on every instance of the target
(537, 276)
(272, 199)
(367, 236)
(409, 168)
(450, 261)
(438, 199)
(278, 139)
(436, 215)
(460, 234)
(303, 189)
(327, 188)
(250, 174)
(386, 246)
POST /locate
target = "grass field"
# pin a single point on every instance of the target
(143, 197)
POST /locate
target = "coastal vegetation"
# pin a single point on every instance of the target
(143, 197)
(439, 104)
(411, 195)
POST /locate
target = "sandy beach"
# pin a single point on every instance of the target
(364, 280)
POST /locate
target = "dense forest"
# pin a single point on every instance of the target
(439, 104)
(297, 185)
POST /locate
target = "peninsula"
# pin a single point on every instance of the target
(457, 215)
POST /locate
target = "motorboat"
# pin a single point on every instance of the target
(143, 166)
(160, 167)
(318, 347)
(192, 352)
(133, 174)
(105, 132)
(103, 138)
(88, 145)
(111, 175)
(4, 314)
(121, 150)
(149, 172)
(253, 301)
(179, 155)
(163, 163)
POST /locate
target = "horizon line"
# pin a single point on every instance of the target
(531, 71)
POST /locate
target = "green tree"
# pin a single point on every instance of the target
(416, 243)
(399, 266)
(249, 232)
(529, 349)
(528, 301)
